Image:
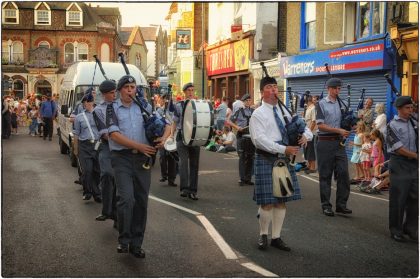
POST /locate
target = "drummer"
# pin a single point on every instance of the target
(189, 156)
(167, 162)
(246, 149)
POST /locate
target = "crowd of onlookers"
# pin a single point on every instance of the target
(23, 113)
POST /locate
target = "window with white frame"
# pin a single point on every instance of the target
(68, 53)
(82, 52)
(44, 44)
(308, 25)
(43, 17)
(74, 18)
(370, 19)
(10, 13)
(12, 52)
(5, 55)
(17, 52)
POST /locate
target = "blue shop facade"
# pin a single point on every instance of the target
(358, 65)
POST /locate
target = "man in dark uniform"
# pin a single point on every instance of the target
(108, 190)
(246, 149)
(402, 143)
(129, 152)
(331, 155)
(189, 156)
(85, 138)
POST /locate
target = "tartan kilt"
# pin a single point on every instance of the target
(263, 191)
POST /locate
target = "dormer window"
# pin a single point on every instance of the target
(42, 14)
(74, 15)
(10, 13)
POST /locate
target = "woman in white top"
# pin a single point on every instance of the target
(380, 120)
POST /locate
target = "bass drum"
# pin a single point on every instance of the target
(197, 122)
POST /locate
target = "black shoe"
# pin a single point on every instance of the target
(328, 211)
(413, 236)
(49, 139)
(241, 183)
(249, 182)
(98, 199)
(173, 184)
(87, 197)
(184, 194)
(162, 179)
(343, 210)
(78, 182)
(398, 237)
(122, 248)
(193, 196)
(137, 252)
(101, 217)
(262, 242)
(278, 243)
(45, 138)
(115, 225)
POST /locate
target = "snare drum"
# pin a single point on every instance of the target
(197, 122)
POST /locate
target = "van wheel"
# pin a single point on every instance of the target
(64, 149)
(73, 158)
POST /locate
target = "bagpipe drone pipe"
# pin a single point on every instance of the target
(154, 125)
(348, 117)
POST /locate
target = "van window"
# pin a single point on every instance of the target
(81, 89)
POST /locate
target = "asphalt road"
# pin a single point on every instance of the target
(49, 231)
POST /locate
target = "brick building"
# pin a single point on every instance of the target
(40, 40)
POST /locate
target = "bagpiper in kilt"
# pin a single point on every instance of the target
(271, 144)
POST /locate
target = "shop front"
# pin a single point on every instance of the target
(361, 66)
(227, 69)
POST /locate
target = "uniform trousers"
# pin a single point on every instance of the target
(403, 195)
(107, 184)
(133, 185)
(189, 157)
(167, 165)
(332, 157)
(89, 164)
(48, 127)
(246, 153)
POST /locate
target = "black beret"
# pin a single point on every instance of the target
(124, 80)
(107, 86)
(334, 82)
(403, 100)
(245, 97)
(88, 97)
(267, 80)
(188, 85)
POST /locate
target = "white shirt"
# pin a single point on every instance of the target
(265, 132)
(237, 105)
(380, 123)
(229, 137)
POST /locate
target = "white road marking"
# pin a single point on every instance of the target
(354, 193)
(223, 246)
(259, 270)
(231, 158)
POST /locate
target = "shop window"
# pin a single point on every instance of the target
(370, 19)
(10, 13)
(334, 19)
(44, 44)
(18, 88)
(308, 25)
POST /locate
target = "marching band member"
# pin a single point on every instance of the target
(189, 156)
(86, 137)
(108, 190)
(129, 151)
(402, 143)
(246, 149)
(331, 155)
(271, 144)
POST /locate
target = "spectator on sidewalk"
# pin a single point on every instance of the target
(228, 141)
(365, 157)
(48, 109)
(357, 147)
(366, 114)
(310, 119)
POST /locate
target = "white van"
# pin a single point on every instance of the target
(78, 78)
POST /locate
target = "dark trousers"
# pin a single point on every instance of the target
(88, 159)
(189, 157)
(107, 184)
(403, 195)
(167, 165)
(331, 156)
(246, 153)
(48, 127)
(6, 125)
(133, 185)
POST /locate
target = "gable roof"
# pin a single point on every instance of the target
(128, 35)
(149, 33)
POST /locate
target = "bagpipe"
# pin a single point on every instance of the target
(348, 117)
(154, 125)
(296, 126)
